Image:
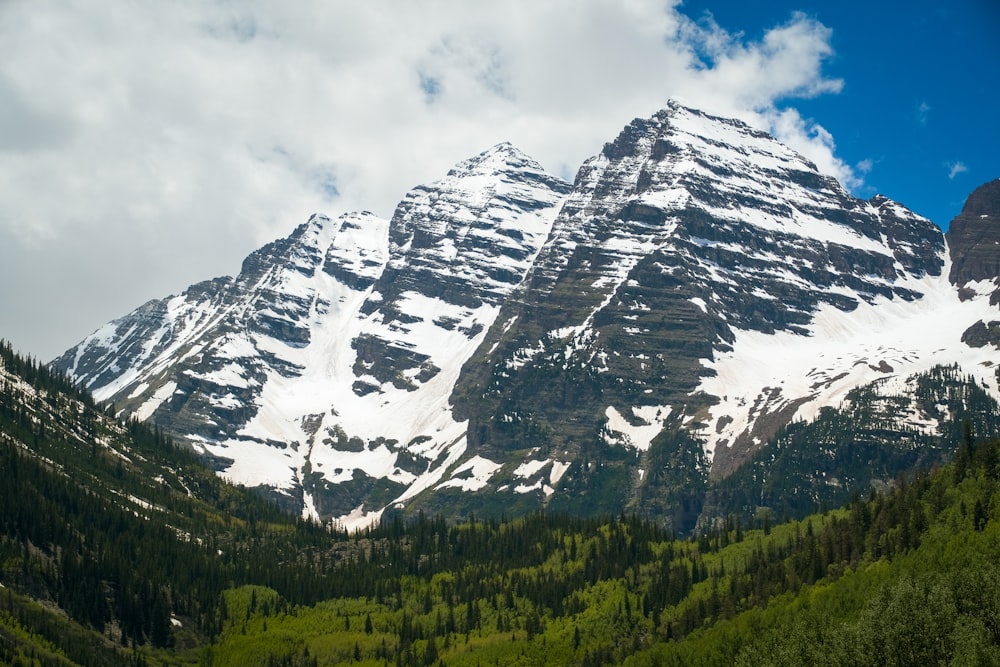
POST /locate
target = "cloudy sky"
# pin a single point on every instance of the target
(146, 145)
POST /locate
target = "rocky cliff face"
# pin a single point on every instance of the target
(974, 237)
(509, 341)
(974, 243)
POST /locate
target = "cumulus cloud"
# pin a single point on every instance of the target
(145, 146)
(813, 141)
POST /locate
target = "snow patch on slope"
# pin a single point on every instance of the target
(146, 410)
(621, 431)
(472, 475)
(886, 339)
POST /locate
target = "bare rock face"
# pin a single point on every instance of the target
(974, 243)
(974, 237)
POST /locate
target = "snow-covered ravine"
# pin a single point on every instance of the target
(890, 339)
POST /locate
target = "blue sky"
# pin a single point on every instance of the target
(920, 102)
(146, 146)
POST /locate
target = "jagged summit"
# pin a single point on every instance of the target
(471, 236)
(508, 340)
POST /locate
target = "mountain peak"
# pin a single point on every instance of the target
(688, 234)
(499, 159)
(507, 340)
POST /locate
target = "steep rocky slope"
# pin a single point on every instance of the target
(684, 231)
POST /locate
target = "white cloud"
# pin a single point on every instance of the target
(956, 168)
(813, 141)
(150, 145)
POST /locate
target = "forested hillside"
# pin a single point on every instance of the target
(907, 578)
(121, 531)
(864, 443)
(117, 548)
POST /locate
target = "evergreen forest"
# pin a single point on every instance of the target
(117, 548)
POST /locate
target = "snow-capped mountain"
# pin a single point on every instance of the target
(507, 340)
(323, 370)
